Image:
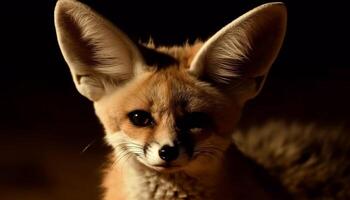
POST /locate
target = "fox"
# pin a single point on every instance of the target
(170, 113)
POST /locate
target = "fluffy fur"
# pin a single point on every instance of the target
(192, 97)
(311, 160)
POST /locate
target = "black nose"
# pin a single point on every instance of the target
(169, 153)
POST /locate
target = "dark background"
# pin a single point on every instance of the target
(45, 124)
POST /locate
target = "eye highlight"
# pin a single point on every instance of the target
(140, 118)
(195, 120)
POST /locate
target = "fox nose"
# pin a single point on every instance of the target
(169, 153)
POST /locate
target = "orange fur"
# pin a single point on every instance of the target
(169, 112)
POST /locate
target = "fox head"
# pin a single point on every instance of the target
(169, 108)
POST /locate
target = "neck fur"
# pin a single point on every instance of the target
(195, 182)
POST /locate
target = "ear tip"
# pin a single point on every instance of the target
(68, 7)
(275, 4)
(62, 6)
(65, 5)
(275, 10)
(275, 7)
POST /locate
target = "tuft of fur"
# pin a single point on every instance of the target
(311, 160)
(143, 183)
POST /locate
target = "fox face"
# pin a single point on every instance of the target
(167, 120)
(169, 108)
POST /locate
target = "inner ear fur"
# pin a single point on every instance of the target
(239, 56)
(98, 54)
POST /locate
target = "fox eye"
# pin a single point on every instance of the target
(195, 120)
(140, 118)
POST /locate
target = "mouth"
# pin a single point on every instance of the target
(163, 167)
(167, 167)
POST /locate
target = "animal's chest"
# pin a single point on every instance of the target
(166, 187)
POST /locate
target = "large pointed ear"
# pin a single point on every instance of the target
(238, 57)
(98, 54)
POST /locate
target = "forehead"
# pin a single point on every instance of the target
(174, 89)
(163, 56)
(170, 86)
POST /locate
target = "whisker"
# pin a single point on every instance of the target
(88, 146)
(131, 143)
(210, 147)
(127, 150)
(208, 150)
(121, 156)
(206, 153)
(128, 156)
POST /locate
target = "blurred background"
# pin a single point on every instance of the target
(51, 144)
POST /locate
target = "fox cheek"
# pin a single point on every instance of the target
(187, 142)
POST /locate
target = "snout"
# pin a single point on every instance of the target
(169, 153)
(166, 156)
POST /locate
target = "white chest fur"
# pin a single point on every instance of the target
(147, 184)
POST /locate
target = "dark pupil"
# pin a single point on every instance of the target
(140, 118)
(194, 120)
